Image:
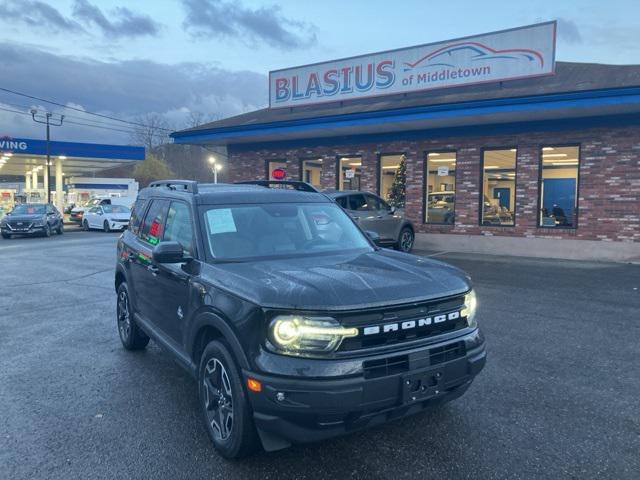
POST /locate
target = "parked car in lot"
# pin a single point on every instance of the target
(106, 217)
(295, 324)
(374, 214)
(32, 219)
(77, 212)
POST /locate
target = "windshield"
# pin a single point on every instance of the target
(115, 209)
(249, 231)
(27, 209)
(93, 202)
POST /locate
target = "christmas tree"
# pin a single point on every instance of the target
(397, 190)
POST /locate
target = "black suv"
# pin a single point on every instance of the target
(32, 219)
(295, 324)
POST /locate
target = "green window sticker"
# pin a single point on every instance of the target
(220, 220)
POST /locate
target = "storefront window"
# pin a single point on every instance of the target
(393, 178)
(311, 171)
(349, 169)
(499, 187)
(440, 187)
(275, 165)
(559, 187)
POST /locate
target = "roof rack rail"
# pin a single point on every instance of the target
(190, 186)
(294, 184)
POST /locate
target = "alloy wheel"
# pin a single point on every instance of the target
(406, 241)
(124, 316)
(218, 399)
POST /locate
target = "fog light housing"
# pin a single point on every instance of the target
(469, 309)
(299, 335)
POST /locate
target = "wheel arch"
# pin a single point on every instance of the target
(209, 326)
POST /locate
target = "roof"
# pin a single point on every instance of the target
(569, 78)
(231, 194)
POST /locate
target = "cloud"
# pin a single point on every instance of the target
(124, 22)
(207, 18)
(124, 89)
(37, 14)
(568, 31)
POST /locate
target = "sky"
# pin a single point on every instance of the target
(186, 61)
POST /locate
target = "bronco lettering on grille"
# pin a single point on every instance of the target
(410, 324)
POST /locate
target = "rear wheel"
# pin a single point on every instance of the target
(132, 337)
(105, 226)
(405, 240)
(224, 403)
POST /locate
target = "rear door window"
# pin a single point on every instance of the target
(179, 226)
(153, 225)
(343, 202)
(136, 216)
(360, 203)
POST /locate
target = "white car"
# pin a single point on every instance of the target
(106, 217)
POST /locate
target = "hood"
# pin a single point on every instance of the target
(339, 282)
(24, 217)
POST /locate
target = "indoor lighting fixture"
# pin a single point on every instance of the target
(546, 149)
(443, 160)
(513, 149)
(490, 166)
(434, 154)
(355, 164)
(563, 164)
(549, 155)
(391, 166)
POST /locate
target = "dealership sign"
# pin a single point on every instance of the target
(506, 55)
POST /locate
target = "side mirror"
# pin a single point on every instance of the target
(392, 210)
(169, 252)
(375, 238)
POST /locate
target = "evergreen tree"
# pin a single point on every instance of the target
(398, 188)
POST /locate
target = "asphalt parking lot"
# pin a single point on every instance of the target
(559, 397)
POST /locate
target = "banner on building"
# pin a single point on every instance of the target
(506, 55)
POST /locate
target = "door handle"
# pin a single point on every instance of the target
(153, 269)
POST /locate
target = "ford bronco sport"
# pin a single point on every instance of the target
(296, 326)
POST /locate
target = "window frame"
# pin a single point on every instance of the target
(194, 244)
(379, 156)
(577, 145)
(143, 214)
(267, 161)
(481, 187)
(146, 213)
(425, 187)
(339, 171)
(301, 161)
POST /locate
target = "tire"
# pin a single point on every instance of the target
(131, 336)
(60, 229)
(6, 236)
(85, 225)
(225, 403)
(105, 227)
(47, 230)
(405, 240)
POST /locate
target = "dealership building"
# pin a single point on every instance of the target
(498, 147)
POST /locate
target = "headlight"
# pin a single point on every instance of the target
(293, 334)
(469, 310)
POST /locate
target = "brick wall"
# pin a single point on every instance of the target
(609, 182)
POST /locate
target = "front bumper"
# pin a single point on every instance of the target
(32, 230)
(300, 410)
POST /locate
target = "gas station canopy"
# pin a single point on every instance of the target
(20, 156)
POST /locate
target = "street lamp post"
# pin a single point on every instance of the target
(215, 168)
(47, 121)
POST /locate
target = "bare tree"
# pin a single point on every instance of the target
(153, 131)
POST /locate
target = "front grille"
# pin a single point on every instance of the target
(402, 315)
(447, 353)
(23, 226)
(385, 366)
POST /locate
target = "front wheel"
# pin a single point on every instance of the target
(47, 230)
(60, 229)
(85, 225)
(405, 240)
(224, 403)
(130, 334)
(105, 226)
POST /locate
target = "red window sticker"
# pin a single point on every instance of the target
(155, 229)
